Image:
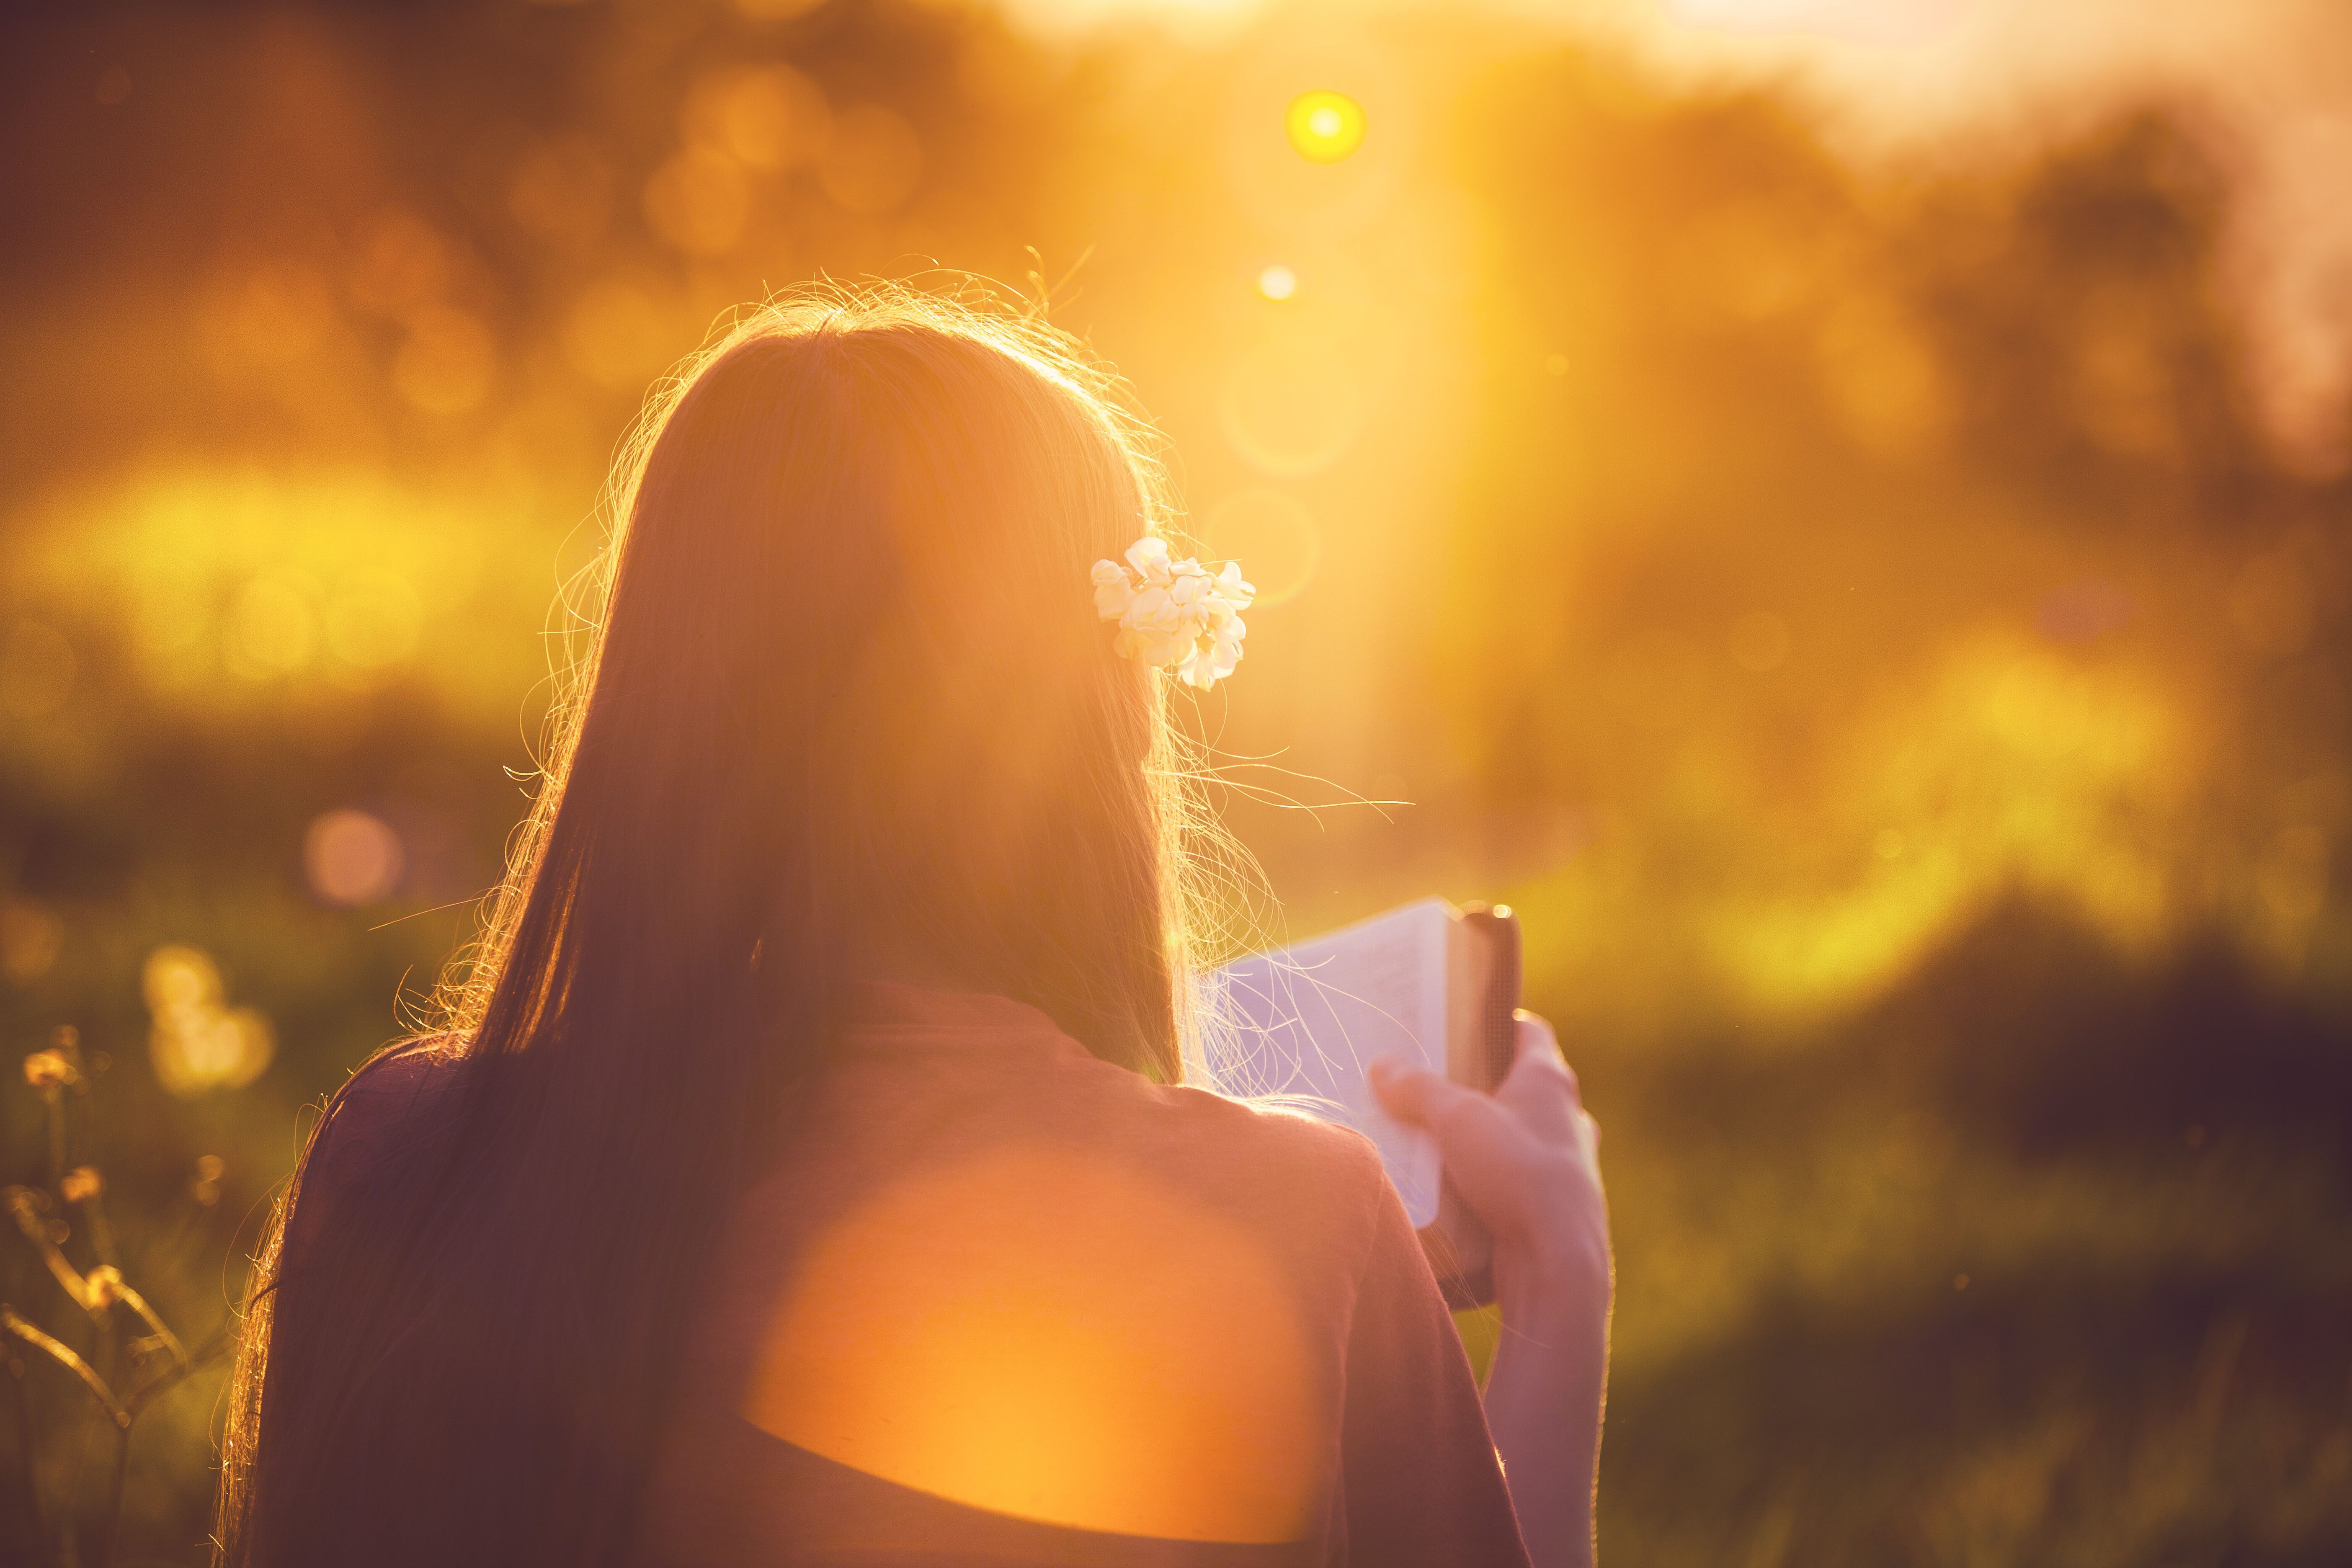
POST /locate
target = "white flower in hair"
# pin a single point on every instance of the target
(1173, 614)
(1113, 591)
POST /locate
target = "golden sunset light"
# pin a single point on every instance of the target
(590, 540)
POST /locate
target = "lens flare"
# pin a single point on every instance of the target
(1291, 411)
(1275, 537)
(1057, 1338)
(1324, 126)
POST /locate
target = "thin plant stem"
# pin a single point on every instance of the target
(55, 1097)
(102, 1235)
(123, 1411)
(109, 1518)
(119, 1356)
(28, 1453)
(26, 1205)
(161, 1336)
(63, 1354)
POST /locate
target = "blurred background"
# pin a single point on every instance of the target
(1837, 510)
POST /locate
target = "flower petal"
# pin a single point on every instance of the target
(1150, 558)
(1194, 670)
(1152, 610)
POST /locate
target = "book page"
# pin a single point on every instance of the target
(1299, 1027)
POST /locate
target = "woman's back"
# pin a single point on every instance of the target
(1001, 1301)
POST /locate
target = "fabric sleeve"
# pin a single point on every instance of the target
(1421, 1484)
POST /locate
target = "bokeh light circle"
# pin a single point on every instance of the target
(351, 858)
(199, 1042)
(1291, 410)
(1274, 537)
(1324, 126)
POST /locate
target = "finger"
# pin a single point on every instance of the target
(1539, 1059)
(1534, 1034)
(1536, 1041)
(1434, 1103)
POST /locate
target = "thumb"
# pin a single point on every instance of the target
(1413, 1094)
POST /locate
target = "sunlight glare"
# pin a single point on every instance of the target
(1325, 126)
(1277, 282)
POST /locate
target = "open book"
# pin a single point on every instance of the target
(1300, 1027)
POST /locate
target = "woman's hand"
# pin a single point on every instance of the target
(1526, 1160)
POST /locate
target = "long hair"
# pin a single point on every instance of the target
(843, 694)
